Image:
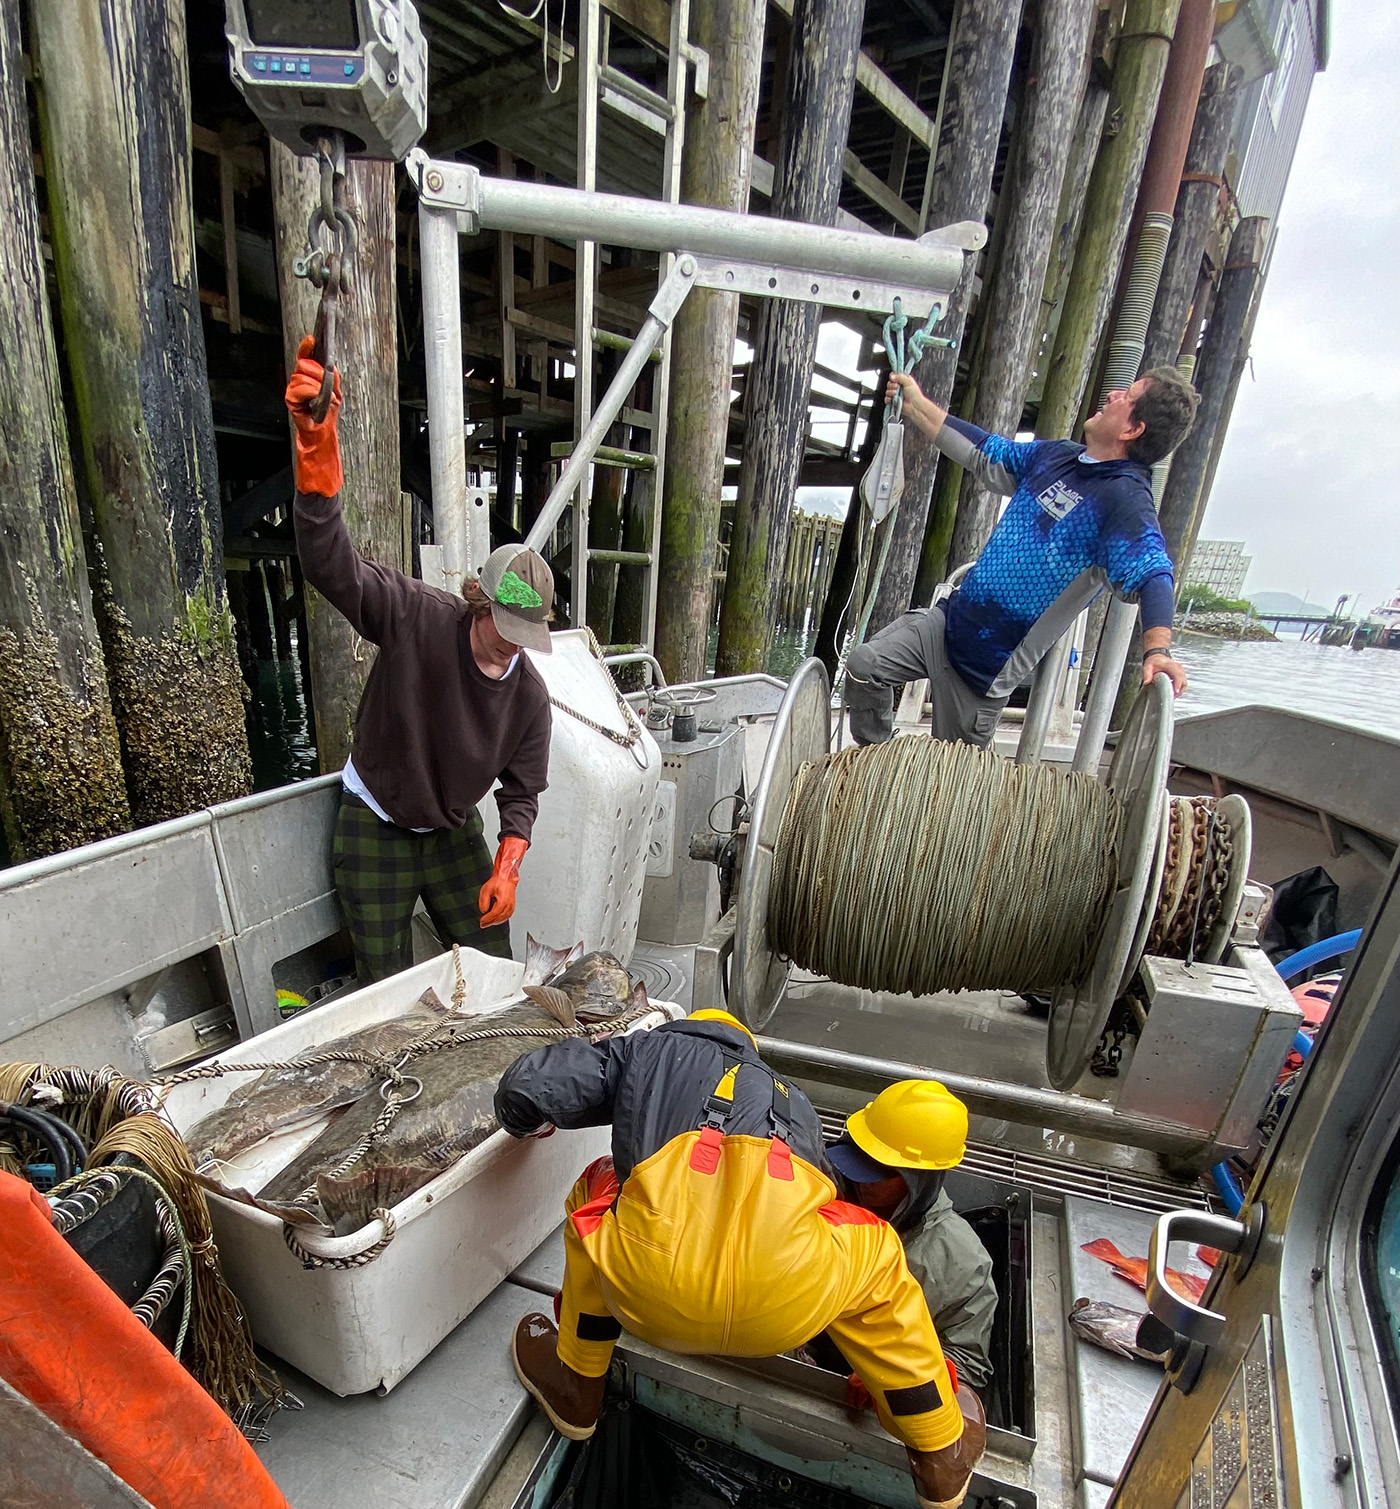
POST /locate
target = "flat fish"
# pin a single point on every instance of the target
(452, 1114)
(543, 962)
(592, 989)
(282, 1099)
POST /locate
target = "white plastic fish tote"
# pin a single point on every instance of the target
(883, 484)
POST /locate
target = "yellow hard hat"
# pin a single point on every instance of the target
(711, 1014)
(914, 1124)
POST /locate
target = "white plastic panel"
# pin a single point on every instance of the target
(581, 881)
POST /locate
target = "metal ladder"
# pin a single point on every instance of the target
(599, 82)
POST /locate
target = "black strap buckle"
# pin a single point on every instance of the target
(781, 1109)
(718, 1109)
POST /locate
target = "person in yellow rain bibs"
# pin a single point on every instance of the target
(715, 1227)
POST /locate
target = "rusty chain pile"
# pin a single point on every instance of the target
(1200, 856)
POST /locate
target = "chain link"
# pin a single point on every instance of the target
(634, 728)
(1108, 1053)
(1199, 861)
(328, 261)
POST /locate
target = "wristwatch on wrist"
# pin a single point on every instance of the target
(1164, 649)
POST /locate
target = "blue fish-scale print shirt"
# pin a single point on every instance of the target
(1072, 527)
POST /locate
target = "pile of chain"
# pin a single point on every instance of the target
(917, 866)
(1200, 855)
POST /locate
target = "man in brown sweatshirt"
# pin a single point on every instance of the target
(451, 707)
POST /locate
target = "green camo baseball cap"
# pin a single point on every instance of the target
(521, 588)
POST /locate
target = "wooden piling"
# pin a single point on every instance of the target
(369, 420)
(978, 70)
(113, 92)
(606, 507)
(1069, 217)
(1196, 203)
(236, 585)
(61, 780)
(1184, 498)
(259, 616)
(277, 600)
(1148, 236)
(638, 502)
(1030, 197)
(1140, 65)
(718, 159)
(816, 118)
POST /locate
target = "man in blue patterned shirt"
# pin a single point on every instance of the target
(1080, 518)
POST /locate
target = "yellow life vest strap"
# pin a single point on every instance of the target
(720, 1104)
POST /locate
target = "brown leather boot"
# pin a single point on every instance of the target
(941, 1478)
(571, 1401)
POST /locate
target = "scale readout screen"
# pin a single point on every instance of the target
(302, 23)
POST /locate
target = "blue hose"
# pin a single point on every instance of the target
(1229, 1189)
(1318, 953)
(1295, 964)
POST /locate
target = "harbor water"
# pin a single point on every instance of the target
(1326, 681)
(1361, 688)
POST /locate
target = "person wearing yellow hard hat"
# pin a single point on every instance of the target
(716, 1227)
(891, 1159)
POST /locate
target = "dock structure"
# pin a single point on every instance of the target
(1036, 121)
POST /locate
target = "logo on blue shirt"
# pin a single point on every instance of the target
(1057, 500)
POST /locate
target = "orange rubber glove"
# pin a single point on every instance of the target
(497, 899)
(317, 461)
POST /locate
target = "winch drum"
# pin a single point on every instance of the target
(1137, 775)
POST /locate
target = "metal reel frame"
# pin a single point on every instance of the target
(801, 733)
(1138, 775)
(1151, 897)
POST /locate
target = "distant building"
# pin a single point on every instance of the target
(1220, 565)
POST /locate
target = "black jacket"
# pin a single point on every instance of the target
(652, 1086)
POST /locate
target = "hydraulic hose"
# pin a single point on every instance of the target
(1230, 1191)
(43, 1127)
(1318, 953)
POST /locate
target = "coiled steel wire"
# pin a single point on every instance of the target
(917, 866)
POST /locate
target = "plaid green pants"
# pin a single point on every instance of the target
(380, 872)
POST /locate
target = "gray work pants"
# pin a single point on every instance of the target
(910, 649)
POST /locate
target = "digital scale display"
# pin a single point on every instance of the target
(293, 24)
(355, 69)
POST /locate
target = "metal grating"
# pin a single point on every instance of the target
(1058, 1177)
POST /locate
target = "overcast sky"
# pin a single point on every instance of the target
(1308, 476)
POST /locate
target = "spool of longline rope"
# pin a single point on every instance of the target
(917, 866)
